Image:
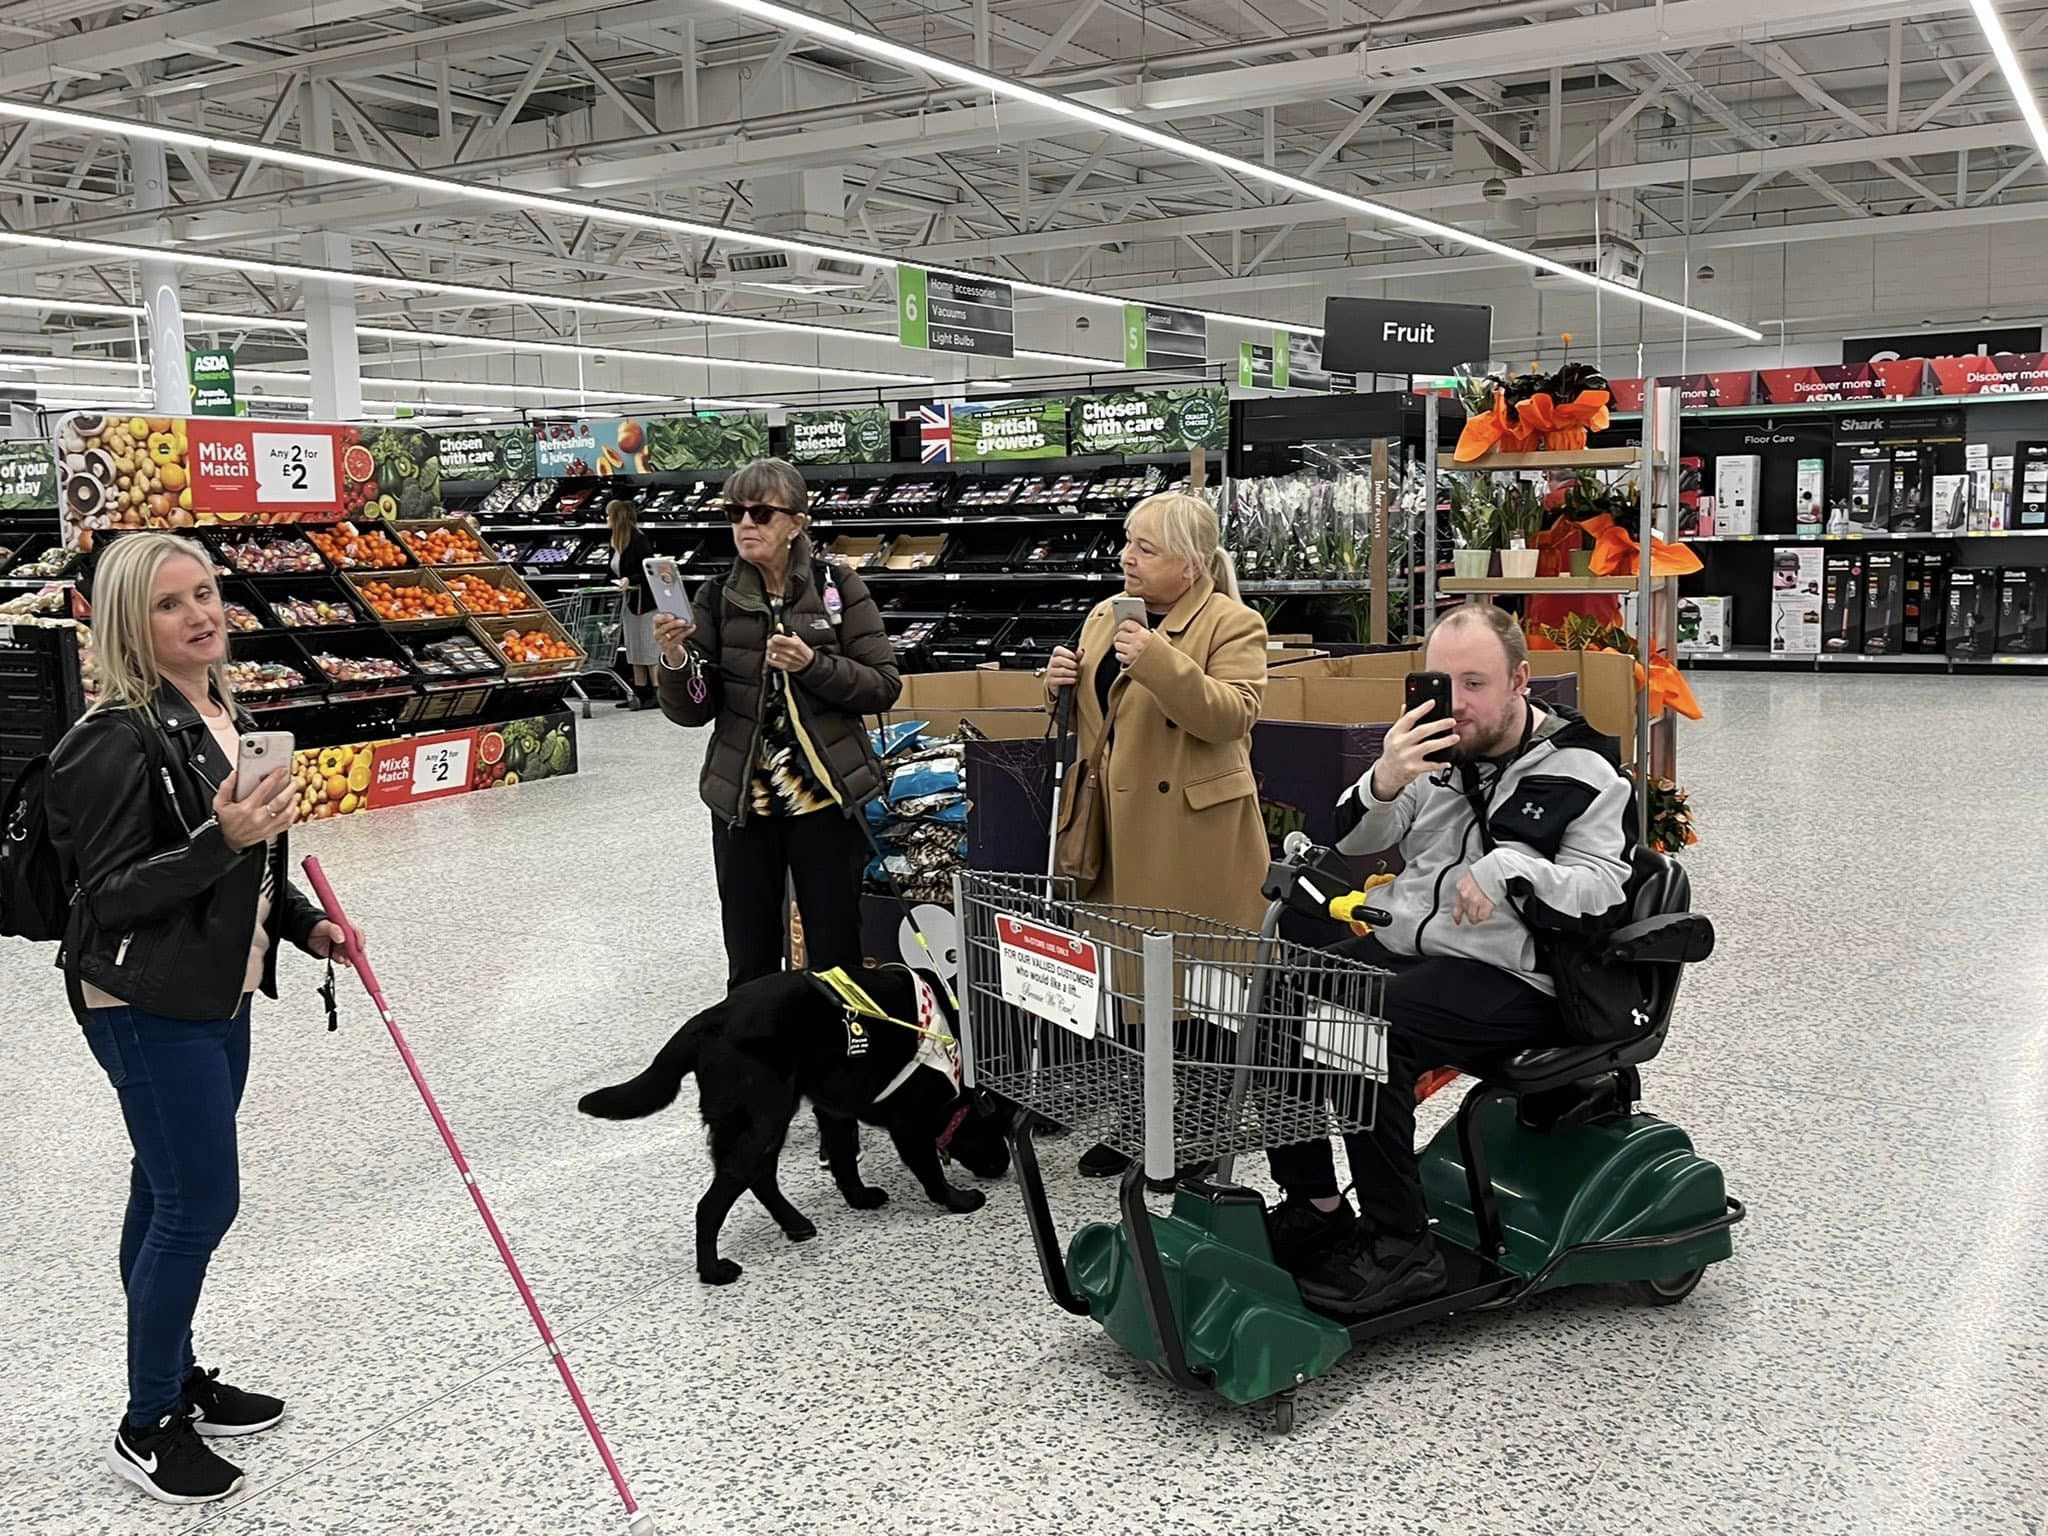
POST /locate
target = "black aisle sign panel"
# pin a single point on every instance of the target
(955, 314)
(1403, 337)
(1987, 340)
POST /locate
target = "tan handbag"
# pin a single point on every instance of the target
(1083, 842)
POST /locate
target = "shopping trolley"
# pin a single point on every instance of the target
(1183, 1043)
(595, 619)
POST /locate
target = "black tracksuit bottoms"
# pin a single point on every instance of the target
(822, 854)
(1440, 1012)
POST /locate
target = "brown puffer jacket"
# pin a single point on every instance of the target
(724, 685)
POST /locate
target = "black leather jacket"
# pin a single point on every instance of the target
(165, 909)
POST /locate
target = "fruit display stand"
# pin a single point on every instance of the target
(532, 646)
(386, 697)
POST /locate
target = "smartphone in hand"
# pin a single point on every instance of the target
(256, 755)
(1433, 688)
(1131, 608)
(665, 577)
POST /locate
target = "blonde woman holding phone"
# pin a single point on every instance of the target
(1167, 681)
(183, 898)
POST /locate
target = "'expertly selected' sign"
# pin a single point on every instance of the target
(1402, 337)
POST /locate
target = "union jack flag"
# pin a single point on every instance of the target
(935, 433)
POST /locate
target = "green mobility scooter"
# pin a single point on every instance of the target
(1548, 1176)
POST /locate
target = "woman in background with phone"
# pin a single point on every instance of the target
(631, 550)
(1167, 681)
(183, 899)
(782, 657)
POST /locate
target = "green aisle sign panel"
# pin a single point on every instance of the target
(28, 478)
(936, 312)
(1263, 367)
(1150, 421)
(213, 382)
(1164, 338)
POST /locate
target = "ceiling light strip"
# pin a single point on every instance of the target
(2015, 77)
(443, 187)
(917, 60)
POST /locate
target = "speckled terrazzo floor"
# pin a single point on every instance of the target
(1865, 1056)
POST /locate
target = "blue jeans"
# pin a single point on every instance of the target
(180, 1084)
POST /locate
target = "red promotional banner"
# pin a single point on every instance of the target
(422, 768)
(279, 471)
(1899, 379)
(1696, 391)
(2006, 373)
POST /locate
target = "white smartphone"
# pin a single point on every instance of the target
(259, 753)
(1131, 608)
(666, 578)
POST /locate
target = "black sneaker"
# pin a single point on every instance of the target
(170, 1464)
(217, 1409)
(1302, 1236)
(1102, 1161)
(1376, 1273)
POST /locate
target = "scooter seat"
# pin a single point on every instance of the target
(1532, 1071)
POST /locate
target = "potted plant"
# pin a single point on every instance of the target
(1519, 521)
(1472, 518)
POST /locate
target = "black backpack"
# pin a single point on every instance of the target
(35, 891)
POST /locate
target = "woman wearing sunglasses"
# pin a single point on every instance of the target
(786, 656)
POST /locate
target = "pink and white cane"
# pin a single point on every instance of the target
(639, 1521)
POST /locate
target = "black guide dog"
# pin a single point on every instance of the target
(775, 1042)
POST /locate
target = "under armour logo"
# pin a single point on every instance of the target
(1532, 810)
(1640, 1019)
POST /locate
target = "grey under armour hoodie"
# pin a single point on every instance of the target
(1563, 829)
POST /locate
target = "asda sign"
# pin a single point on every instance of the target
(212, 377)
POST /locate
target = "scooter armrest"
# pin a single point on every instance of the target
(1673, 938)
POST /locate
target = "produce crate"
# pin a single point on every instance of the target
(1068, 549)
(414, 533)
(353, 546)
(1030, 637)
(500, 577)
(286, 598)
(272, 648)
(336, 654)
(272, 551)
(415, 578)
(915, 552)
(426, 647)
(858, 551)
(985, 549)
(495, 630)
(238, 596)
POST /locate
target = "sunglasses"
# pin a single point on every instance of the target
(762, 514)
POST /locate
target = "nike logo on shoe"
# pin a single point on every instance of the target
(147, 1465)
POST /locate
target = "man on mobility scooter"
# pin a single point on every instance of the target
(1505, 813)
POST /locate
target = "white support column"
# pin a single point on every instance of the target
(331, 354)
(169, 381)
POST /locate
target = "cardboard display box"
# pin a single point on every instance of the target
(2023, 610)
(1972, 612)
(1884, 602)
(1703, 626)
(1842, 602)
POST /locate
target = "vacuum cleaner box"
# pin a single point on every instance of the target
(1703, 626)
(1870, 490)
(1912, 490)
(1884, 602)
(1977, 463)
(1952, 503)
(1737, 479)
(1972, 611)
(1810, 512)
(1842, 602)
(2023, 610)
(1926, 599)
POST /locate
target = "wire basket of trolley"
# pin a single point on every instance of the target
(1264, 1043)
(1183, 1043)
(594, 618)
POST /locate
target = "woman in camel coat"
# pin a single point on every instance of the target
(1164, 713)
